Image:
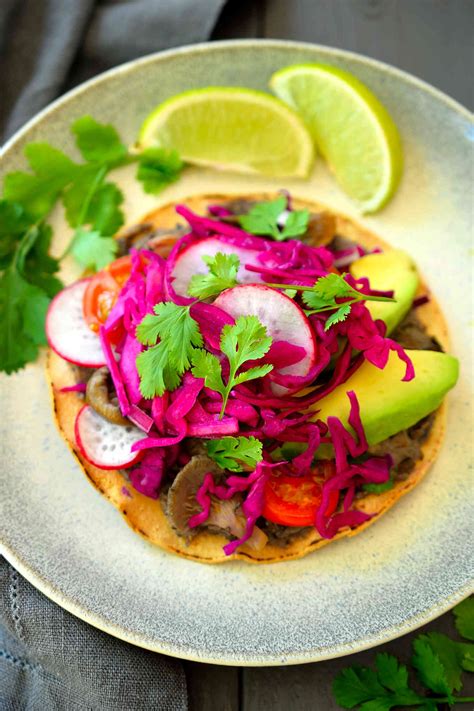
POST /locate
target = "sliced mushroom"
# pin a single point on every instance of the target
(145, 236)
(130, 237)
(225, 516)
(195, 445)
(163, 241)
(338, 243)
(321, 228)
(98, 396)
(182, 502)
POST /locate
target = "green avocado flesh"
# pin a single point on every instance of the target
(388, 405)
(390, 270)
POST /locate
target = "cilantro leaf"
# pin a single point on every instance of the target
(332, 286)
(98, 142)
(464, 618)
(467, 650)
(176, 328)
(430, 669)
(438, 661)
(296, 224)
(375, 691)
(233, 452)
(34, 316)
(73, 197)
(381, 704)
(338, 316)
(180, 338)
(37, 192)
(262, 218)
(222, 275)
(245, 340)
(207, 366)
(13, 223)
(451, 655)
(92, 250)
(157, 168)
(391, 674)
(22, 310)
(316, 301)
(103, 212)
(156, 374)
(36, 265)
(354, 685)
(252, 373)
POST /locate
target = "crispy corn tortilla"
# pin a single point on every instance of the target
(146, 516)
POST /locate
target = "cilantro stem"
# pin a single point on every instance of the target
(23, 247)
(100, 175)
(90, 193)
(360, 297)
(227, 390)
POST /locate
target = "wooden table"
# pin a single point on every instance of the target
(432, 39)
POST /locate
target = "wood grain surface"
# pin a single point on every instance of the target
(432, 39)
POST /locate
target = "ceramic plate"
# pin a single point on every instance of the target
(411, 566)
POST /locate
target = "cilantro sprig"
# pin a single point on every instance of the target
(26, 286)
(263, 219)
(92, 205)
(245, 341)
(160, 367)
(179, 348)
(234, 453)
(438, 661)
(222, 275)
(324, 294)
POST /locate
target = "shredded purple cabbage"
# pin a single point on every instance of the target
(78, 388)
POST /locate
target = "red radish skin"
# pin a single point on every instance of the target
(283, 319)
(190, 262)
(104, 444)
(67, 332)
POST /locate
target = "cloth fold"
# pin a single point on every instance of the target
(49, 46)
(51, 660)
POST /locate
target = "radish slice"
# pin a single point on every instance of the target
(190, 262)
(104, 444)
(283, 319)
(67, 332)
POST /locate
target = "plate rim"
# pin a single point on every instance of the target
(237, 43)
(335, 652)
(81, 611)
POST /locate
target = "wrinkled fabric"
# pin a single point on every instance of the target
(49, 46)
(53, 661)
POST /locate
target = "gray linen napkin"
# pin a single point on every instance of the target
(48, 658)
(48, 46)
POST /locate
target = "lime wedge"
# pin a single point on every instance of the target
(232, 129)
(354, 132)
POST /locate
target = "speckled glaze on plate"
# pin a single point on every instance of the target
(412, 565)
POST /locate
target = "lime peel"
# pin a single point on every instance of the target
(232, 128)
(352, 129)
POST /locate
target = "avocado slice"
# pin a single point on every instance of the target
(388, 405)
(390, 270)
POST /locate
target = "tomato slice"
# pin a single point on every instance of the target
(294, 501)
(103, 290)
(120, 269)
